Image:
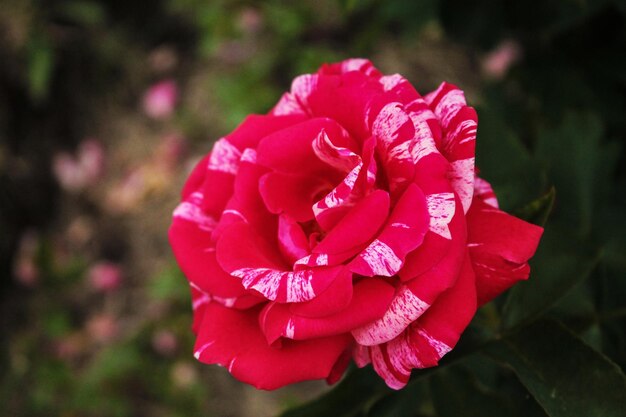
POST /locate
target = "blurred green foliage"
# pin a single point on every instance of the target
(552, 136)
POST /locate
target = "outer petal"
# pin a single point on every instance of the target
(255, 127)
(232, 338)
(431, 336)
(500, 246)
(370, 300)
(457, 144)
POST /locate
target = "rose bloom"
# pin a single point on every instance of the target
(346, 223)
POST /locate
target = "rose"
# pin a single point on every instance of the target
(346, 222)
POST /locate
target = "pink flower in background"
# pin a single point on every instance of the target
(102, 328)
(74, 173)
(497, 63)
(347, 222)
(164, 342)
(159, 101)
(105, 276)
(25, 269)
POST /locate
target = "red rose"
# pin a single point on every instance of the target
(348, 222)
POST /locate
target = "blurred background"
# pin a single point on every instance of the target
(105, 105)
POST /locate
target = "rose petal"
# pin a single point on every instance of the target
(431, 336)
(255, 127)
(232, 338)
(500, 246)
(246, 255)
(370, 299)
(403, 232)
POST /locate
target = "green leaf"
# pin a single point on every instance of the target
(456, 392)
(575, 159)
(538, 210)
(347, 399)
(40, 67)
(566, 376)
(504, 161)
(404, 402)
(561, 262)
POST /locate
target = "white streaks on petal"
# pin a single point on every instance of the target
(339, 195)
(400, 225)
(483, 190)
(302, 87)
(190, 210)
(462, 180)
(361, 355)
(315, 259)
(267, 281)
(231, 364)
(204, 347)
(449, 106)
(404, 309)
(200, 301)
(441, 209)
(287, 105)
(440, 347)
(249, 155)
(290, 329)
(382, 368)
(465, 129)
(235, 213)
(299, 286)
(224, 157)
(341, 158)
(386, 128)
(389, 82)
(381, 259)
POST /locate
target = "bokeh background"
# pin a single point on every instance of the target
(106, 104)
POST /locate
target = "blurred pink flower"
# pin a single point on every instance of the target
(497, 63)
(102, 328)
(105, 276)
(160, 99)
(164, 342)
(70, 346)
(184, 375)
(249, 20)
(74, 173)
(25, 268)
(126, 194)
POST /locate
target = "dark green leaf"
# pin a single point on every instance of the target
(347, 399)
(456, 392)
(560, 264)
(565, 375)
(538, 210)
(404, 402)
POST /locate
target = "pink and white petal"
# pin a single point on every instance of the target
(245, 255)
(404, 309)
(287, 105)
(332, 300)
(336, 151)
(435, 264)
(398, 88)
(403, 233)
(484, 192)
(394, 131)
(500, 246)
(446, 101)
(357, 228)
(462, 180)
(371, 297)
(232, 339)
(352, 64)
(329, 210)
(433, 335)
(255, 127)
(292, 242)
